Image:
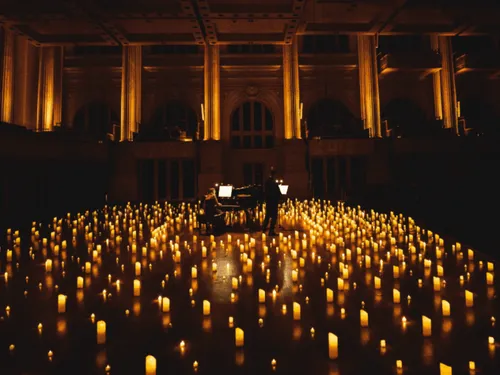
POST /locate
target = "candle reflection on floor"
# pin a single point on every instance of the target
(362, 289)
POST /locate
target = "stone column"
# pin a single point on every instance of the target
(131, 91)
(212, 93)
(291, 90)
(49, 104)
(445, 93)
(368, 84)
(7, 99)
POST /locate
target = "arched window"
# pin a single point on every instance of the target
(252, 126)
(172, 120)
(95, 119)
(331, 119)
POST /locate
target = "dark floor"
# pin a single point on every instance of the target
(71, 336)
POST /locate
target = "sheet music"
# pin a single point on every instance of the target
(225, 191)
(283, 189)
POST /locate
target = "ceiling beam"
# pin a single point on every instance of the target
(384, 20)
(292, 25)
(208, 27)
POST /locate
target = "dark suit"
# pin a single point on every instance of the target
(272, 195)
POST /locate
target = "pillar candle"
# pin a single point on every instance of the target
(445, 307)
(368, 261)
(469, 299)
(150, 365)
(444, 370)
(436, 283)
(294, 275)
(329, 295)
(363, 316)
(61, 303)
(206, 307)
(48, 265)
(165, 304)
(79, 282)
(340, 284)
(88, 267)
(137, 288)
(396, 296)
(440, 271)
(239, 337)
(101, 332)
(231, 322)
(426, 326)
(194, 272)
(137, 269)
(333, 346)
(395, 272)
(235, 283)
(262, 296)
(377, 282)
(296, 311)
(203, 251)
(490, 278)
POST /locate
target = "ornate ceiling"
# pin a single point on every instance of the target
(113, 22)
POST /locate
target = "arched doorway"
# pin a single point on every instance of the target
(329, 118)
(95, 119)
(479, 116)
(405, 118)
(252, 126)
(173, 120)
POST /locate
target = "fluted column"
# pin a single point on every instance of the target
(445, 93)
(368, 83)
(131, 95)
(212, 93)
(291, 90)
(49, 105)
(7, 99)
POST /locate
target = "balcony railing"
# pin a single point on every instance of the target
(483, 62)
(425, 62)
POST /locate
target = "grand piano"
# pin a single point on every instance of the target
(243, 199)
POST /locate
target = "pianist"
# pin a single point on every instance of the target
(211, 210)
(272, 195)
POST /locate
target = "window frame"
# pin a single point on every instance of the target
(241, 133)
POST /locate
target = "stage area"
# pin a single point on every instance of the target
(341, 290)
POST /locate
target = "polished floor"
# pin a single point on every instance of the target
(274, 289)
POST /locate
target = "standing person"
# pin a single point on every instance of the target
(272, 196)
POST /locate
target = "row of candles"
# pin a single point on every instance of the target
(334, 228)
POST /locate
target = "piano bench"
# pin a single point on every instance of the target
(210, 223)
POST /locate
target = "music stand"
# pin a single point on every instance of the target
(225, 191)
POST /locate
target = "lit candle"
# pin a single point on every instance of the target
(469, 299)
(491, 340)
(426, 326)
(399, 364)
(61, 303)
(363, 315)
(48, 265)
(79, 282)
(436, 283)
(101, 332)
(444, 369)
(472, 366)
(333, 346)
(150, 365)
(262, 296)
(239, 336)
(165, 304)
(206, 307)
(377, 282)
(490, 278)
(137, 269)
(234, 283)
(296, 311)
(231, 322)
(194, 272)
(445, 307)
(137, 288)
(329, 295)
(396, 296)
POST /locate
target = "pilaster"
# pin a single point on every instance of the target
(445, 94)
(368, 84)
(7, 99)
(291, 90)
(131, 94)
(49, 103)
(212, 93)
